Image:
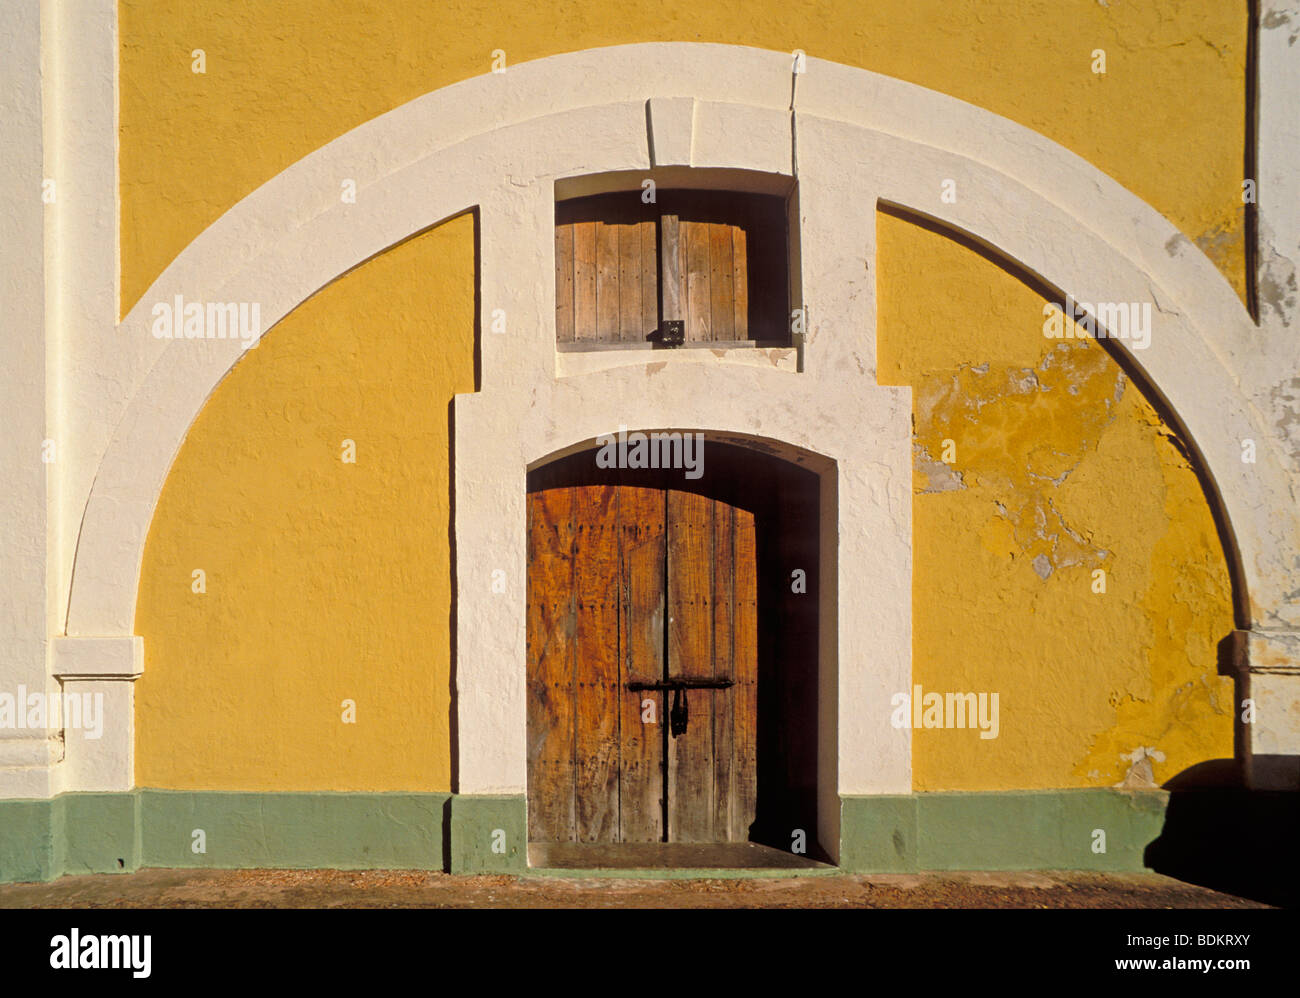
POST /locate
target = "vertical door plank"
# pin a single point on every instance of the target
(649, 279)
(745, 663)
(671, 258)
(699, 311)
(596, 654)
(683, 272)
(607, 303)
(690, 655)
(629, 280)
(550, 667)
(641, 532)
(690, 580)
(721, 278)
(564, 283)
(584, 280)
(723, 667)
(740, 281)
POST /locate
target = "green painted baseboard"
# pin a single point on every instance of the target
(344, 831)
(120, 832)
(488, 834)
(27, 840)
(1007, 830)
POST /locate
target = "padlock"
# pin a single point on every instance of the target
(679, 715)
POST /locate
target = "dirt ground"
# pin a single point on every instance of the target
(418, 889)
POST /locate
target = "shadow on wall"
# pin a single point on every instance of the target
(453, 716)
(1221, 835)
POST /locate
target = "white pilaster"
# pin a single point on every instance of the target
(25, 456)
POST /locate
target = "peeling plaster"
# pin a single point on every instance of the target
(1277, 281)
(1061, 468)
(1141, 771)
(1285, 398)
(938, 476)
(955, 408)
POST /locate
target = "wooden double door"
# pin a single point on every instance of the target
(642, 665)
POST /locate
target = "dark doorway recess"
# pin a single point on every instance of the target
(672, 661)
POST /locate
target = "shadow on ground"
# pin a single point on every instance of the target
(1220, 835)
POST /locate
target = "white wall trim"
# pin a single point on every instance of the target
(99, 658)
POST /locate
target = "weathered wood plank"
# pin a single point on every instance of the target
(740, 281)
(550, 666)
(683, 270)
(745, 666)
(584, 280)
(671, 262)
(723, 666)
(699, 321)
(690, 655)
(596, 654)
(629, 281)
(690, 580)
(564, 283)
(641, 531)
(721, 280)
(607, 303)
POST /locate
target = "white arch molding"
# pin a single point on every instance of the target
(499, 142)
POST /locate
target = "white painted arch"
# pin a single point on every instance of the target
(851, 138)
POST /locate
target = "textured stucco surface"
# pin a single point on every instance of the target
(283, 79)
(1061, 468)
(325, 581)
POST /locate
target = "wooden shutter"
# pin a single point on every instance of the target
(606, 275)
(732, 276)
(714, 280)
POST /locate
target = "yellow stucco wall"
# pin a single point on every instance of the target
(1059, 459)
(284, 78)
(325, 581)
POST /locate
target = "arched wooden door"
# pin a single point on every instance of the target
(642, 666)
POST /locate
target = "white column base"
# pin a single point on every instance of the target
(98, 676)
(1275, 689)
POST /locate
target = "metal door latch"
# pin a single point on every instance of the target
(679, 714)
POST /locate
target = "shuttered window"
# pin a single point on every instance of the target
(716, 261)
